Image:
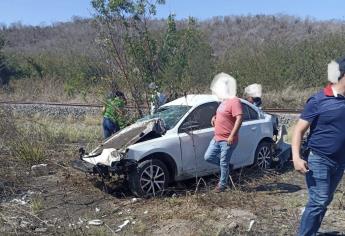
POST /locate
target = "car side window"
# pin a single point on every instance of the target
(249, 113)
(246, 115)
(203, 115)
(253, 114)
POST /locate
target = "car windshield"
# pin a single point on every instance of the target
(169, 114)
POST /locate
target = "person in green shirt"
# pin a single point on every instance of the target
(112, 113)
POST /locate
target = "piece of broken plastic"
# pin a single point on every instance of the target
(95, 222)
(121, 226)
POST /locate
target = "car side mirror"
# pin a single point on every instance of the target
(189, 126)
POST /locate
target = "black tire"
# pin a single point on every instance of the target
(143, 184)
(264, 155)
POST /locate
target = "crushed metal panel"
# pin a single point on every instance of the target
(131, 135)
(108, 156)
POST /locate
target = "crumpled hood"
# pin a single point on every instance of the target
(112, 148)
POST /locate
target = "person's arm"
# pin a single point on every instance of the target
(300, 129)
(213, 120)
(238, 122)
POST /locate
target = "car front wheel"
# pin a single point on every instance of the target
(263, 155)
(150, 178)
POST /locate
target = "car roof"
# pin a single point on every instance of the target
(193, 100)
(196, 100)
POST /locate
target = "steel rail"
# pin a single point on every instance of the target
(269, 110)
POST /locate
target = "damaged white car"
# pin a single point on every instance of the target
(170, 145)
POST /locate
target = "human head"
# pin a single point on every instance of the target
(224, 86)
(336, 70)
(152, 86)
(253, 91)
(250, 99)
(120, 94)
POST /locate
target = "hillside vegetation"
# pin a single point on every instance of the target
(75, 61)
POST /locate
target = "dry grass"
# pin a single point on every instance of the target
(290, 130)
(290, 97)
(60, 131)
(45, 90)
(272, 198)
(36, 205)
(31, 139)
(52, 90)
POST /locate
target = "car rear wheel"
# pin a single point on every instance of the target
(263, 155)
(150, 179)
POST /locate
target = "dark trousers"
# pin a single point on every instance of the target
(109, 127)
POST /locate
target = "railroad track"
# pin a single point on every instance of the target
(269, 110)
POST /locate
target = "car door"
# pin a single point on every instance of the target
(195, 141)
(249, 136)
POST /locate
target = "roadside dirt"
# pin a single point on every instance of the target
(65, 201)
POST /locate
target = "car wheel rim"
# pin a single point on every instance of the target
(264, 157)
(152, 180)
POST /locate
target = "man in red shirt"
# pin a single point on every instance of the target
(227, 123)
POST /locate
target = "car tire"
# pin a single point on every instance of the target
(264, 155)
(149, 179)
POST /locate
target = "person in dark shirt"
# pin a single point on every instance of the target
(324, 115)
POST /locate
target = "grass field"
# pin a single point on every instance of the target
(62, 203)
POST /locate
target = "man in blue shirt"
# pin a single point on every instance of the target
(324, 115)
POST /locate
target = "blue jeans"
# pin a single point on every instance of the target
(109, 127)
(219, 153)
(322, 180)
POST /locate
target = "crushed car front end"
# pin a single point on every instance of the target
(110, 158)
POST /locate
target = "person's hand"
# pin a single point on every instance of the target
(213, 120)
(230, 140)
(300, 165)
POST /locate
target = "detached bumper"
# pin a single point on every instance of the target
(83, 166)
(117, 168)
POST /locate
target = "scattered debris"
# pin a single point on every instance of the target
(251, 225)
(95, 222)
(121, 226)
(40, 170)
(80, 221)
(134, 200)
(41, 230)
(18, 201)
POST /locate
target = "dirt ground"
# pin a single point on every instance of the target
(65, 202)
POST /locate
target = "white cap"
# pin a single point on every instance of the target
(254, 90)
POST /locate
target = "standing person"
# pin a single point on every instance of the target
(157, 98)
(324, 167)
(227, 122)
(253, 94)
(112, 112)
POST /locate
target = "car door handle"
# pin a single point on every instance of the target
(253, 128)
